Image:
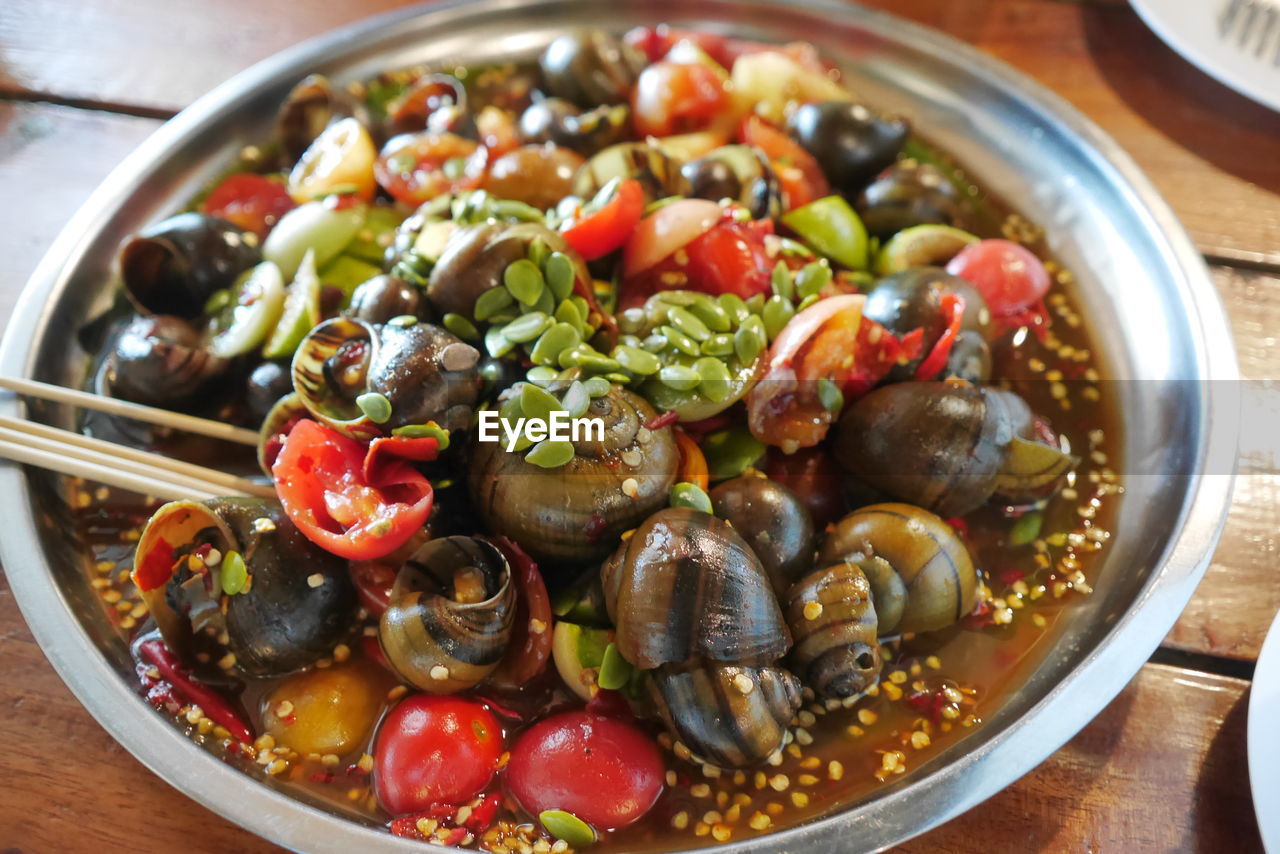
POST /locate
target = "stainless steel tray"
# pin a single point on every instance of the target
(1144, 287)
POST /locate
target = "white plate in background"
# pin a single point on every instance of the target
(1264, 740)
(1194, 29)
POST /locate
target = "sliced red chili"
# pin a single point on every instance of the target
(952, 306)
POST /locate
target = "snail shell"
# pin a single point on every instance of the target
(437, 636)
(930, 582)
(160, 359)
(573, 515)
(424, 372)
(833, 620)
(730, 715)
(773, 520)
(685, 587)
(940, 445)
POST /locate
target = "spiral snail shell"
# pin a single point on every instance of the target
(833, 620)
(450, 615)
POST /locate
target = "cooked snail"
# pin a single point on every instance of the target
(941, 445)
(239, 566)
(851, 142)
(919, 571)
(573, 514)
(737, 172)
(833, 620)
(160, 359)
(905, 195)
(174, 266)
(658, 172)
(538, 175)
(557, 120)
(383, 297)
(590, 67)
(450, 616)
(421, 373)
(773, 521)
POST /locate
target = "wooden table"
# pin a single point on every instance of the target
(1163, 768)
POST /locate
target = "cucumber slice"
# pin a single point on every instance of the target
(346, 273)
(830, 227)
(922, 246)
(369, 245)
(257, 298)
(301, 311)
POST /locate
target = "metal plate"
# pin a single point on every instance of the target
(1143, 285)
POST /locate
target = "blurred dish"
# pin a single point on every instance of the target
(1264, 740)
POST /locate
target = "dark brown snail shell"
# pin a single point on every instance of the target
(296, 605)
(425, 373)
(773, 521)
(912, 299)
(920, 572)
(310, 107)
(833, 621)
(852, 143)
(435, 637)
(558, 121)
(730, 715)
(383, 297)
(907, 194)
(590, 67)
(940, 445)
(684, 587)
(573, 515)
(264, 387)
(738, 172)
(160, 359)
(475, 257)
(539, 175)
(174, 266)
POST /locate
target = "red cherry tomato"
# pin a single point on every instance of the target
(416, 167)
(731, 258)
(1009, 276)
(798, 172)
(319, 476)
(656, 42)
(435, 750)
(605, 771)
(596, 233)
(250, 201)
(672, 97)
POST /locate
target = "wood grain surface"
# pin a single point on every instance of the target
(1162, 769)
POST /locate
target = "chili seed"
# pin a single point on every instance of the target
(636, 360)
(524, 280)
(491, 302)
(526, 328)
(776, 313)
(550, 453)
(567, 826)
(685, 494)
(679, 377)
(375, 406)
(559, 275)
(683, 320)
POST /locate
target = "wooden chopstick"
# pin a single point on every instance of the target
(140, 462)
(142, 484)
(149, 414)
